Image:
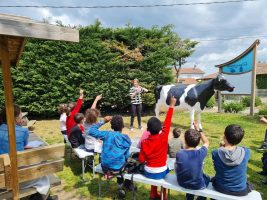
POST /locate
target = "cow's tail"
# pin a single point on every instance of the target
(157, 92)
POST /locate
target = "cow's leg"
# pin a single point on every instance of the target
(157, 109)
(192, 113)
(199, 120)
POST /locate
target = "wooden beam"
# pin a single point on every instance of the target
(6, 73)
(37, 155)
(253, 81)
(32, 29)
(40, 170)
(23, 42)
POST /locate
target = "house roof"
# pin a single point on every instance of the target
(16, 28)
(210, 76)
(261, 68)
(188, 81)
(189, 71)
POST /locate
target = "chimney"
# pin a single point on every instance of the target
(195, 66)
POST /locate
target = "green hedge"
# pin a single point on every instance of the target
(261, 81)
(246, 101)
(51, 72)
(233, 107)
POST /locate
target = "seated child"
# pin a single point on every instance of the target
(63, 117)
(230, 163)
(189, 162)
(73, 108)
(76, 137)
(144, 136)
(116, 146)
(154, 149)
(91, 116)
(175, 144)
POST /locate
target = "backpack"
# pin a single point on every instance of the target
(264, 162)
(133, 166)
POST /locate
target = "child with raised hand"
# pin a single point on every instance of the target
(154, 149)
(189, 162)
(230, 163)
(73, 108)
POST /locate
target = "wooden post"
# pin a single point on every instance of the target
(6, 73)
(220, 97)
(253, 81)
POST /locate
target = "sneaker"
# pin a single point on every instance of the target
(55, 197)
(131, 128)
(121, 194)
(140, 127)
(263, 147)
(129, 186)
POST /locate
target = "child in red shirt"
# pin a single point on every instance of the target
(154, 149)
(73, 108)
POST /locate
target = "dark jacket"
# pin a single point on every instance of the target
(76, 137)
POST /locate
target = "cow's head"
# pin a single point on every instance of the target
(221, 84)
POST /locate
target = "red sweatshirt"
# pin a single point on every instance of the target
(154, 149)
(70, 123)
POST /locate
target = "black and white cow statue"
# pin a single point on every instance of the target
(192, 97)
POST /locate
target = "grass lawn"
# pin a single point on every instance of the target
(213, 125)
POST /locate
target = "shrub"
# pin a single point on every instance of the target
(211, 102)
(263, 112)
(246, 101)
(233, 107)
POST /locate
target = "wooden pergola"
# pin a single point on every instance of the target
(13, 33)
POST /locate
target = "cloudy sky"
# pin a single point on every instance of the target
(223, 30)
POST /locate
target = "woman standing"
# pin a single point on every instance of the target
(136, 102)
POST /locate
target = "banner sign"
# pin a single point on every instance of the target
(242, 65)
(241, 73)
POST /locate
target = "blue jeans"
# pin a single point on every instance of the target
(191, 196)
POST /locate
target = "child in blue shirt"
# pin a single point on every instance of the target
(189, 163)
(230, 163)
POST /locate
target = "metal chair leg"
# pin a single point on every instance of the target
(99, 185)
(83, 169)
(93, 167)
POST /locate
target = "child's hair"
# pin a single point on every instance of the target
(192, 137)
(234, 134)
(176, 132)
(17, 111)
(91, 115)
(154, 125)
(135, 80)
(71, 106)
(78, 117)
(117, 123)
(62, 108)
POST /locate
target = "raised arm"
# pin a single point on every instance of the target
(168, 119)
(203, 137)
(95, 132)
(98, 97)
(79, 103)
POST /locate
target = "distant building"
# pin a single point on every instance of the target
(208, 77)
(261, 72)
(188, 75)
